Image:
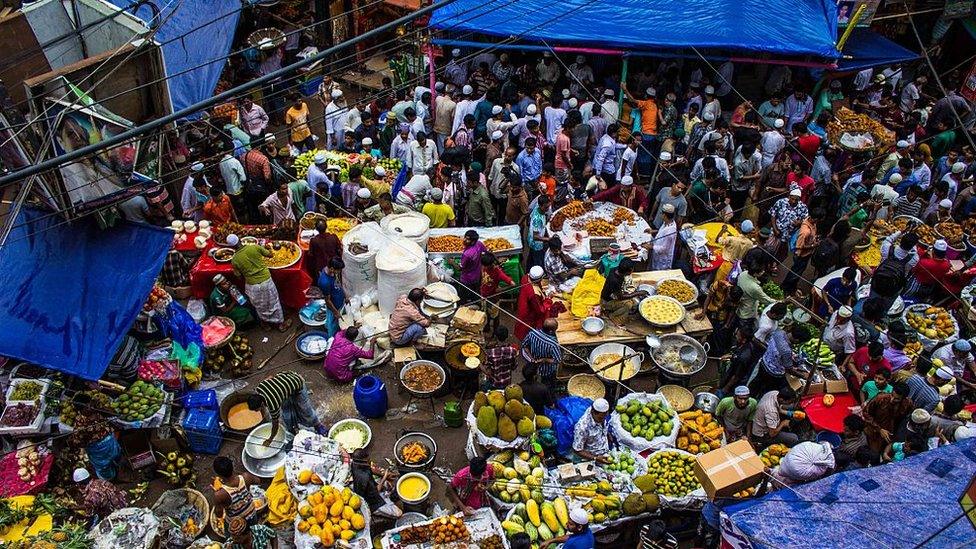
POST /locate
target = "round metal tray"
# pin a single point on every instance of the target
(640, 308)
(416, 363)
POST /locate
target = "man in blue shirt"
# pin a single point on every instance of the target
(530, 163)
(579, 537)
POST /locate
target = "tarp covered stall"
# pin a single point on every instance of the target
(895, 505)
(70, 292)
(196, 36)
(866, 48)
(784, 27)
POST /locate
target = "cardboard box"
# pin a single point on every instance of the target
(797, 383)
(469, 320)
(729, 469)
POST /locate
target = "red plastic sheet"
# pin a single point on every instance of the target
(830, 418)
(292, 282)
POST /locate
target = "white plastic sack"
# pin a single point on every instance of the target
(640, 444)
(807, 461)
(687, 501)
(413, 226)
(359, 275)
(400, 266)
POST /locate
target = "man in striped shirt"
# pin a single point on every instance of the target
(285, 397)
(540, 348)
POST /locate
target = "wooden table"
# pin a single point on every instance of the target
(636, 328)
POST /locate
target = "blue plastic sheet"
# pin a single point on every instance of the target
(783, 27)
(895, 505)
(197, 37)
(70, 292)
(564, 416)
(866, 48)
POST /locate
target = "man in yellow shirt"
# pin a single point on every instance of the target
(248, 263)
(297, 119)
(441, 215)
(650, 116)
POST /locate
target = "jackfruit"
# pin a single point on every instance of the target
(542, 422)
(513, 392)
(528, 411)
(497, 400)
(487, 421)
(525, 427)
(513, 409)
(634, 504)
(480, 400)
(651, 501)
(646, 483)
(506, 428)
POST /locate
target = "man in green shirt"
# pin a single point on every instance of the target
(479, 210)
(735, 413)
(248, 263)
(753, 298)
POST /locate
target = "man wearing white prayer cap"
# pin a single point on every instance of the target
(736, 412)
(590, 437)
(578, 534)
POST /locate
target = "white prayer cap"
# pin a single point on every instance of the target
(778, 123)
(363, 193)
(496, 135)
(601, 405)
(497, 109)
(709, 90)
(535, 273)
(233, 240)
(532, 109)
(380, 171)
(626, 181)
(336, 94)
(467, 89)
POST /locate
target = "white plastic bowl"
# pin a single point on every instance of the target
(341, 425)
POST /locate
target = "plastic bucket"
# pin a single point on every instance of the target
(829, 437)
(369, 395)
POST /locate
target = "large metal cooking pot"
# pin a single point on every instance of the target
(673, 348)
(635, 360)
(415, 364)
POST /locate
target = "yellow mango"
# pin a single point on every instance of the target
(336, 509)
(358, 522)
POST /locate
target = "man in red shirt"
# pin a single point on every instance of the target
(624, 194)
(564, 152)
(864, 364)
(931, 270)
(802, 180)
(807, 142)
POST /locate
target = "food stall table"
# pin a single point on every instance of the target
(569, 332)
(828, 418)
(292, 282)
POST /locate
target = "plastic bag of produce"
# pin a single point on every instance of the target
(564, 416)
(656, 417)
(586, 295)
(807, 461)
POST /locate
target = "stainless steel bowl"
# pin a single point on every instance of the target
(593, 325)
(706, 402)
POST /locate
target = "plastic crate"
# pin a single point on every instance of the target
(203, 432)
(310, 87)
(206, 445)
(205, 400)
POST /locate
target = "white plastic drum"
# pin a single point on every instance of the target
(401, 265)
(359, 276)
(413, 226)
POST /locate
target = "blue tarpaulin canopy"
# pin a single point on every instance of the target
(867, 48)
(196, 38)
(895, 505)
(784, 27)
(70, 292)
